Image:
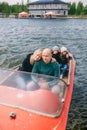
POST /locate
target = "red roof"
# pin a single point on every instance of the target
(23, 14)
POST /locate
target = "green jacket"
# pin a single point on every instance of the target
(52, 68)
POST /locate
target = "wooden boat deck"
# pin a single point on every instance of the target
(66, 79)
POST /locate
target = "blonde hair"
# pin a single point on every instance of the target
(37, 52)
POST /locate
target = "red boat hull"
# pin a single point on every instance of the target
(25, 120)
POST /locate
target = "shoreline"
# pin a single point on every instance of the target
(59, 17)
(77, 17)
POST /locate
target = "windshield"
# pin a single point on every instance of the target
(33, 92)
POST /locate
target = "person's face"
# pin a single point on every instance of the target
(64, 53)
(46, 57)
(55, 52)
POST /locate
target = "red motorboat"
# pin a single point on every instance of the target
(28, 106)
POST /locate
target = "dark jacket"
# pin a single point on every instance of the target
(57, 57)
(64, 59)
(26, 66)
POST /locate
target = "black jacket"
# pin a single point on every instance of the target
(26, 66)
(57, 57)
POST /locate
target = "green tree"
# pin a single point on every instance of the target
(80, 8)
(7, 9)
(4, 8)
(85, 10)
(72, 9)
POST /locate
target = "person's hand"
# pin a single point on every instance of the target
(43, 84)
(53, 60)
(67, 55)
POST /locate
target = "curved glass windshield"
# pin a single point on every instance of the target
(32, 92)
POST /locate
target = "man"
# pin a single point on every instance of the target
(45, 66)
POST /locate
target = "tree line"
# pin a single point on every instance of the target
(7, 9)
(78, 9)
(74, 9)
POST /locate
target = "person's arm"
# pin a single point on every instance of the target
(56, 69)
(26, 63)
(67, 55)
(35, 68)
(68, 58)
(54, 80)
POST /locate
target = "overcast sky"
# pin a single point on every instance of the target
(25, 1)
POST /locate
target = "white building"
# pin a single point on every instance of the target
(41, 7)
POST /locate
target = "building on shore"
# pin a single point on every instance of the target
(48, 8)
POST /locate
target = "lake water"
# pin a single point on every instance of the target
(18, 37)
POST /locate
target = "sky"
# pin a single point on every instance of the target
(25, 1)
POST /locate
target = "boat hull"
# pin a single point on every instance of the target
(15, 118)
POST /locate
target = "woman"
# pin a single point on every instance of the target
(64, 60)
(28, 62)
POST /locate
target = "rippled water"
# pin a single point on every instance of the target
(18, 37)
